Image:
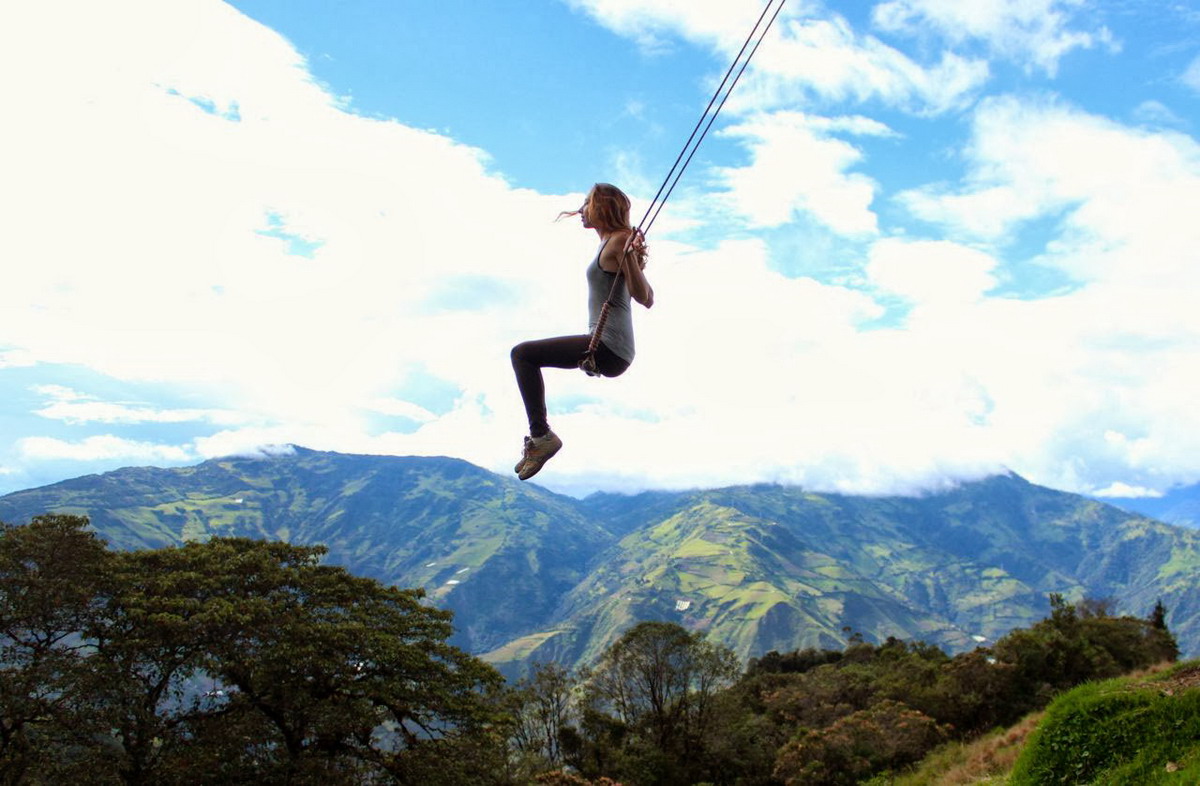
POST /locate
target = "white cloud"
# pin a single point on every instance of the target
(262, 451)
(652, 23)
(986, 212)
(106, 447)
(1125, 491)
(165, 274)
(1125, 195)
(16, 358)
(168, 162)
(1156, 113)
(401, 408)
(810, 53)
(1089, 387)
(104, 412)
(797, 166)
(59, 393)
(824, 59)
(1191, 75)
(76, 408)
(930, 272)
(255, 441)
(1033, 32)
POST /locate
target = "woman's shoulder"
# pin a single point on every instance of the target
(615, 243)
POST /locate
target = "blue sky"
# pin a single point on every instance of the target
(926, 240)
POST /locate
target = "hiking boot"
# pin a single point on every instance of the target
(538, 450)
(524, 450)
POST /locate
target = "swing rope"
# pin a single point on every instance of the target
(588, 364)
(656, 205)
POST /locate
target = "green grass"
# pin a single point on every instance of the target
(985, 761)
(1130, 730)
(698, 547)
(1182, 563)
(1120, 731)
(519, 649)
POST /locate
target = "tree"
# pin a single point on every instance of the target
(659, 682)
(234, 661)
(52, 572)
(888, 735)
(338, 676)
(795, 662)
(1076, 643)
(542, 711)
(1158, 616)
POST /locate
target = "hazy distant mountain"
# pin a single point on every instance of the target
(532, 575)
(1179, 506)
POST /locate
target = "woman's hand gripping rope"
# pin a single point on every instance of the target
(639, 287)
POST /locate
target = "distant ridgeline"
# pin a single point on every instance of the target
(533, 576)
(1179, 506)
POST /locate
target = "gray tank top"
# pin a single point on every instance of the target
(618, 330)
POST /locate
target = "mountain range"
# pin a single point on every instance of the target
(534, 576)
(1179, 505)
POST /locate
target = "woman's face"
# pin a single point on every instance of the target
(583, 211)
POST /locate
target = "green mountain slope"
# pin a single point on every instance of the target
(499, 553)
(766, 567)
(751, 582)
(535, 576)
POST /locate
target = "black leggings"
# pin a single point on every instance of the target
(530, 357)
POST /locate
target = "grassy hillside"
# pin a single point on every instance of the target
(1142, 729)
(749, 582)
(768, 567)
(987, 761)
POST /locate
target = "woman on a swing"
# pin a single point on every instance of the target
(613, 276)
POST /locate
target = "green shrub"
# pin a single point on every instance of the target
(888, 735)
(1118, 732)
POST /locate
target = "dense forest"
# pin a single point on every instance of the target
(238, 660)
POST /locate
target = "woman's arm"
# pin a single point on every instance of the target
(615, 257)
(639, 288)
